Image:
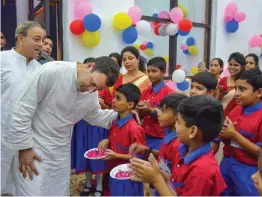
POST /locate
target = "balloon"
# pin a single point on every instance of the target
(166, 58)
(186, 52)
(156, 29)
(77, 27)
(149, 52)
(172, 85)
(193, 50)
(185, 25)
(229, 17)
(155, 15)
(183, 86)
(184, 46)
(232, 26)
(178, 76)
(225, 72)
(91, 39)
(149, 45)
(171, 29)
(255, 41)
(231, 8)
(185, 12)
(181, 33)
(135, 14)
(142, 46)
(194, 70)
(136, 46)
(190, 41)
(82, 8)
(92, 22)
(176, 15)
(162, 30)
(130, 35)
(240, 16)
(143, 27)
(261, 46)
(122, 21)
(255, 50)
(178, 66)
(163, 14)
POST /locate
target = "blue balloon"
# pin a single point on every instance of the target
(130, 35)
(149, 45)
(190, 41)
(183, 86)
(181, 33)
(92, 22)
(155, 15)
(186, 52)
(232, 26)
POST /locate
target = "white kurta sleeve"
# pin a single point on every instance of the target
(99, 117)
(20, 132)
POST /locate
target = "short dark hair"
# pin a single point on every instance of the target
(108, 67)
(255, 57)
(89, 60)
(158, 62)
(118, 57)
(49, 37)
(205, 79)
(205, 112)
(253, 77)
(238, 57)
(131, 92)
(172, 101)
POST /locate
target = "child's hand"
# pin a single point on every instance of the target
(136, 148)
(228, 131)
(102, 146)
(145, 107)
(222, 92)
(136, 116)
(110, 156)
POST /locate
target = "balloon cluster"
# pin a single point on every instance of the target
(165, 14)
(147, 47)
(179, 80)
(131, 24)
(233, 17)
(87, 24)
(189, 47)
(255, 45)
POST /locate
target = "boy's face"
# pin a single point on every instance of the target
(257, 177)
(198, 89)
(166, 117)
(245, 94)
(154, 74)
(120, 104)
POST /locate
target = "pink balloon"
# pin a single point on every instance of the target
(255, 41)
(240, 16)
(184, 46)
(82, 8)
(229, 17)
(231, 8)
(135, 14)
(225, 73)
(172, 85)
(176, 15)
(163, 14)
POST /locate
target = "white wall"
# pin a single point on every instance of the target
(22, 10)
(223, 44)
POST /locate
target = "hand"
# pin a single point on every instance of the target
(222, 92)
(136, 148)
(26, 162)
(203, 70)
(145, 107)
(135, 114)
(102, 104)
(148, 172)
(110, 156)
(228, 131)
(102, 146)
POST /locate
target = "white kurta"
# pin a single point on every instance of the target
(43, 119)
(14, 71)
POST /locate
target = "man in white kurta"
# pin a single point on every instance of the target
(15, 69)
(43, 119)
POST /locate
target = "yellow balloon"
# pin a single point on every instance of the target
(166, 58)
(261, 46)
(149, 52)
(194, 70)
(122, 21)
(193, 50)
(184, 10)
(91, 39)
(136, 46)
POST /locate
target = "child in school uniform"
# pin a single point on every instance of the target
(242, 135)
(257, 177)
(195, 171)
(122, 134)
(150, 100)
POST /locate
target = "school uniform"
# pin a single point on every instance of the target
(238, 166)
(154, 133)
(196, 174)
(122, 134)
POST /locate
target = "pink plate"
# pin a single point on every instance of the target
(94, 154)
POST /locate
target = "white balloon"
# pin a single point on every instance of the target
(172, 29)
(162, 30)
(255, 50)
(143, 27)
(178, 76)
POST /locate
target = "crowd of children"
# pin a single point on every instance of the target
(173, 149)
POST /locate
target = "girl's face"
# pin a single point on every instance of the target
(130, 61)
(215, 68)
(250, 63)
(257, 177)
(234, 68)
